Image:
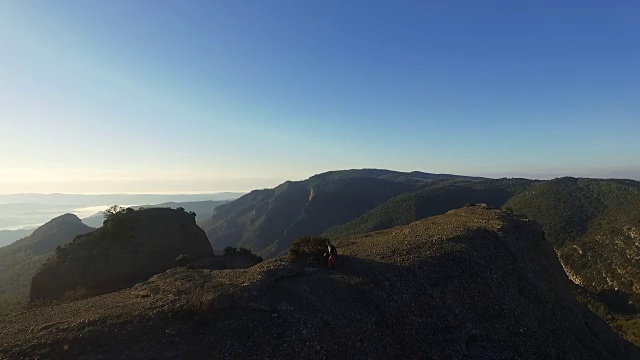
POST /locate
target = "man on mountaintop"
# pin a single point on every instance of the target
(331, 253)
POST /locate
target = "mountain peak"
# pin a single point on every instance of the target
(59, 221)
(68, 217)
(56, 232)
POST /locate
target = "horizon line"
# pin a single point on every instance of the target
(132, 193)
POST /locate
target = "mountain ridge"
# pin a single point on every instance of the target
(8, 237)
(267, 221)
(474, 283)
(434, 199)
(20, 260)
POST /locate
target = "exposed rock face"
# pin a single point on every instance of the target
(128, 249)
(474, 283)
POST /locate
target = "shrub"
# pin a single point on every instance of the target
(182, 261)
(229, 250)
(115, 210)
(309, 249)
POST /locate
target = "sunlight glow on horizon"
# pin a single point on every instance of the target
(159, 187)
(102, 97)
(245, 185)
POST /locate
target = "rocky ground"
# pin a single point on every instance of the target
(475, 283)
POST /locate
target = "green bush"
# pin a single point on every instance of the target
(309, 249)
(182, 261)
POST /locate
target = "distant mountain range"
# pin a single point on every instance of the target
(268, 221)
(101, 199)
(9, 236)
(20, 260)
(28, 211)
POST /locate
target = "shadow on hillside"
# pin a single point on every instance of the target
(363, 307)
(407, 308)
(351, 265)
(618, 301)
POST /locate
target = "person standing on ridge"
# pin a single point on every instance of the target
(331, 253)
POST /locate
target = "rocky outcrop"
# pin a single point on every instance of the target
(475, 283)
(129, 248)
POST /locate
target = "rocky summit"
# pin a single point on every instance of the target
(131, 247)
(474, 283)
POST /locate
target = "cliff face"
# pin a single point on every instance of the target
(130, 248)
(474, 283)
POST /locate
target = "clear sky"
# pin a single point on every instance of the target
(189, 96)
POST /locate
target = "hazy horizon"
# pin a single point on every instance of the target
(129, 193)
(28, 211)
(207, 96)
(246, 185)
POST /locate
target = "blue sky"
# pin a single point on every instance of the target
(189, 96)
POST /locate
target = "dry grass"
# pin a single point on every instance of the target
(197, 300)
